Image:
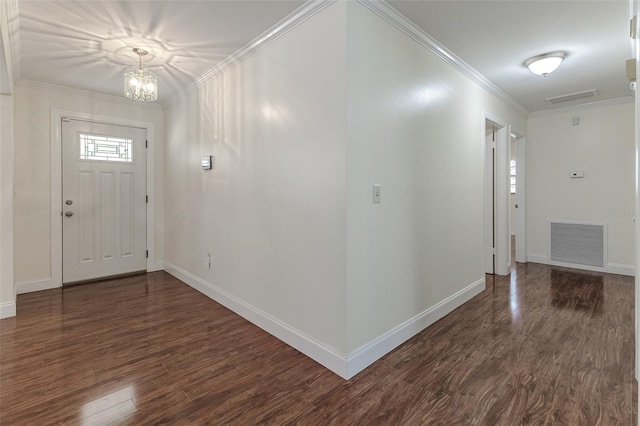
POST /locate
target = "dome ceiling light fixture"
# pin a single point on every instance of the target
(545, 63)
(139, 84)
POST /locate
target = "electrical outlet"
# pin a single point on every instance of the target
(207, 261)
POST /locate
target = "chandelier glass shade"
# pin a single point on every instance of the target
(140, 84)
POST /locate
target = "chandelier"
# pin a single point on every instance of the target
(139, 84)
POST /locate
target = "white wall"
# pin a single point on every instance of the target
(7, 289)
(602, 146)
(32, 205)
(272, 213)
(300, 131)
(416, 127)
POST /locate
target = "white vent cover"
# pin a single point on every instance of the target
(572, 97)
(577, 244)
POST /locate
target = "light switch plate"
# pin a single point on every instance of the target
(207, 162)
(377, 189)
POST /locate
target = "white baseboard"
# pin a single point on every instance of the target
(611, 268)
(537, 258)
(48, 283)
(621, 269)
(325, 356)
(36, 285)
(329, 358)
(376, 349)
(155, 266)
(7, 310)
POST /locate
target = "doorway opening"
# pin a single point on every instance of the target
(58, 204)
(517, 199)
(496, 241)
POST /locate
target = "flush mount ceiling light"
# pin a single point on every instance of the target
(546, 63)
(139, 84)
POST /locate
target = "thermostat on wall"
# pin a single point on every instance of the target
(207, 162)
(576, 174)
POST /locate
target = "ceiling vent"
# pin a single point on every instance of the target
(572, 97)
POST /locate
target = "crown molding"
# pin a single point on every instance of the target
(401, 22)
(298, 16)
(95, 95)
(581, 107)
(13, 41)
(6, 62)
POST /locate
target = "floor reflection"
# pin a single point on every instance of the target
(109, 408)
(578, 291)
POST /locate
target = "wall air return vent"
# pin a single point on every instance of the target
(572, 97)
(578, 245)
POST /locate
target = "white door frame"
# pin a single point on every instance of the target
(501, 205)
(56, 184)
(521, 216)
(635, 10)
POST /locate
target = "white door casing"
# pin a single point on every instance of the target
(103, 201)
(521, 244)
(489, 201)
(496, 235)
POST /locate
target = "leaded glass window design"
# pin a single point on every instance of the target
(106, 148)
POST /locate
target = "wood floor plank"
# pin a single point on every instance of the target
(544, 346)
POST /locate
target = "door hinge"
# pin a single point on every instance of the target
(147, 254)
(146, 144)
(146, 198)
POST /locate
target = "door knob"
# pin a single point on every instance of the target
(68, 214)
(68, 202)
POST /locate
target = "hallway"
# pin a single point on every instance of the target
(544, 346)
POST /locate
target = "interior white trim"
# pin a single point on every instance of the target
(74, 91)
(298, 16)
(398, 20)
(7, 310)
(35, 285)
(345, 367)
(155, 266)
(13, 39)
(496, 215)
(621, 269)
(581, 107)
(6, 41)
(325, 356)
(611, 268)
(503, 201)
(374, 350)
(56, 184)
(537, 258)
(521, 200)
(635, 10)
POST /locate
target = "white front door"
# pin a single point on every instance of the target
(103, 200)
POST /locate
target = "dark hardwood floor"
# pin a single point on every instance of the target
(545, 346)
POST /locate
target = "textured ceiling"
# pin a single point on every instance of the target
(87, 44)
